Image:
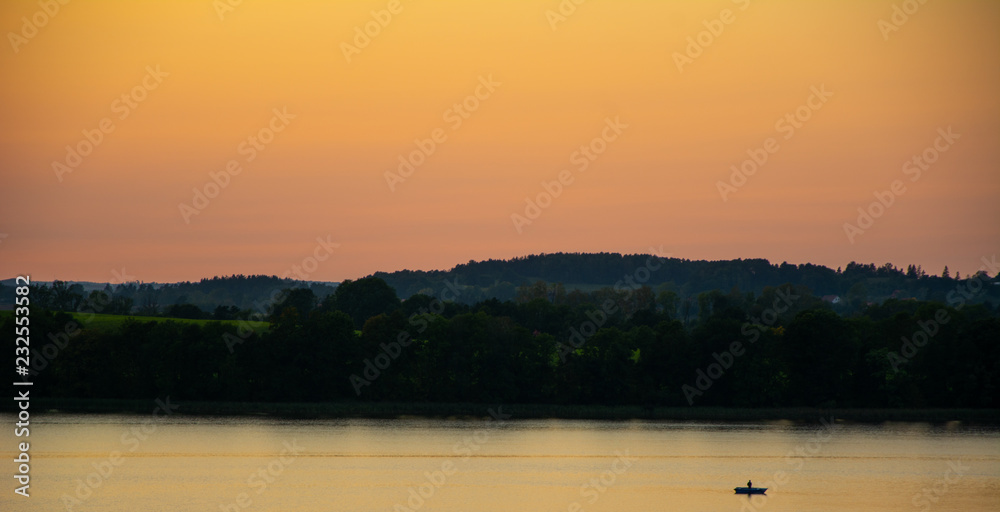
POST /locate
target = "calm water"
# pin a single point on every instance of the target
(237, 464)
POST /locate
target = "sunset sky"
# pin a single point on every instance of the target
(200, 80)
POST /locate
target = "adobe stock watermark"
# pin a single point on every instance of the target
(562, 12)
(956, 299)
(751, 329)
(595, 487)
(787, 124)
(30, 26)
(302, 270)
(796, 459)
(264, 476)
(104, 470)
(713, 29)
(58, 341)
(929, 496)
(391, 351)
(899, 16)
(455, 116)
(363, 35)
(628, 284)
(581, 158)
(219, 180)
(418, 495)
(913, 168)
(224, 7)
(123, 105)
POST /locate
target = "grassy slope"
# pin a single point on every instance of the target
(111, 322)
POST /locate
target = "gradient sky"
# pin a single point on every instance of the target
(656, 185)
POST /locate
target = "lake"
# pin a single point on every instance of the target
(178, 463)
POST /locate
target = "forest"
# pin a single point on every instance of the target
(234, 296)
(626, 343)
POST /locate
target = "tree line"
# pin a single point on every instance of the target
(238, 296)
(501, 279)
(218, 298)
(783, 346)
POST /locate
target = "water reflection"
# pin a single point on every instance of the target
(250, 463)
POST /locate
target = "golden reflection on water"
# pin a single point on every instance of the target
(124, 463)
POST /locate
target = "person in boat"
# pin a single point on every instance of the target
(749, 484)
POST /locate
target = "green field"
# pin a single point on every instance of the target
(112, 322)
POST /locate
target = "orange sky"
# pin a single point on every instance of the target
(323, 175)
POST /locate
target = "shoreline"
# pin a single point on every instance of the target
(388, 410)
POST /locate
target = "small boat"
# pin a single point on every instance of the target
(750, 490)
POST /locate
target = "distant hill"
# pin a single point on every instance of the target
(588, 271)
(500, 279)
(237, 291)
